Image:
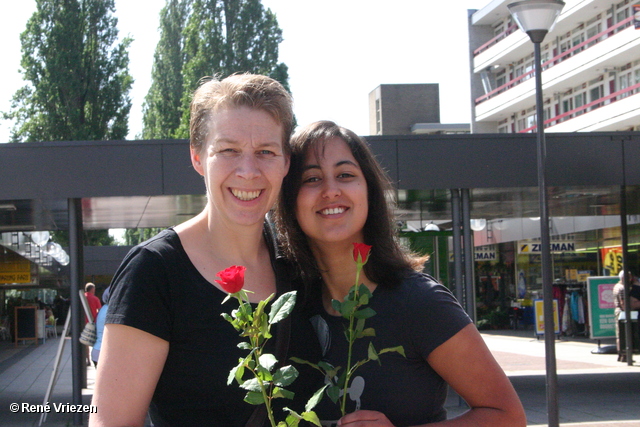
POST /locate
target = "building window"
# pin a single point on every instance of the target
(596, 93)
(580, 100)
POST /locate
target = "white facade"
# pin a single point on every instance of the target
(591, 70)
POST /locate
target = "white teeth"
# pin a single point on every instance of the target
(245, 195)
(332, 211)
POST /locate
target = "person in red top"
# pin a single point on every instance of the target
(92, 299)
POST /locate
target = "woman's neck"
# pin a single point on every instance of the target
(214, 247)
(338, 271)
(240, 245)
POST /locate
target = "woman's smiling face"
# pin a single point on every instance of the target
(332, 204)
(243, 164)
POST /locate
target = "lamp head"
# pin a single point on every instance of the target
(536, 17)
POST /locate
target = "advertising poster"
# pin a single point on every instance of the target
(611, 260)
(538, 308)
(601, 306)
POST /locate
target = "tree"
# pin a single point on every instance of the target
(78, 75)
(134, 236)
(218, 37)
(163, 101)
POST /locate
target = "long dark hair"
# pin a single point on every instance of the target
(388, 262)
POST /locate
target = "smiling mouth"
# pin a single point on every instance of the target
(246, 196)
(333, 211)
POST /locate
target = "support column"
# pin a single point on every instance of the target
(467, 238)
(76, 275)
(457, 245)
(628, 331)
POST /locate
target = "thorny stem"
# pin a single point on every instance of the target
(343, 406)
(255, 343)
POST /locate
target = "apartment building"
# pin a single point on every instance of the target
(409, 109)
(591, 69)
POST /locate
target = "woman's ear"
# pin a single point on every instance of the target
(196, 161)
(287, 164)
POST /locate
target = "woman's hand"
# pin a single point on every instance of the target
(365, 418)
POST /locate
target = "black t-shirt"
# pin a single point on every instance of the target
(158, 290)
(419, 315)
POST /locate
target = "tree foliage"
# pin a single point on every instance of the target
(134, 236)
(217, 37)
(163, 101)
(77, 73)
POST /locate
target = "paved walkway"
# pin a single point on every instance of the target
(593, 389)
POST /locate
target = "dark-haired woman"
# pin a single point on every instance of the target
(334, 195)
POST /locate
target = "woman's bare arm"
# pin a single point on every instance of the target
(130, 365)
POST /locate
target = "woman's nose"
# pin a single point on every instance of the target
(248, 167)
(330, 189)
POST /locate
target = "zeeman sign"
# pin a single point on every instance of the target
(536, 248)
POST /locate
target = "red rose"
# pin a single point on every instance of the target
(232, 278)
(361, 253)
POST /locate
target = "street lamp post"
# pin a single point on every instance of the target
(536, 18)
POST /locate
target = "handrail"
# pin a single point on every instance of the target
(495, 40)
(583, 107)
(553, 61)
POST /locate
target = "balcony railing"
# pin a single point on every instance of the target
(558, 58)
(612, 97)
(495, 40)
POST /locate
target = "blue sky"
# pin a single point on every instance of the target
(337, 51)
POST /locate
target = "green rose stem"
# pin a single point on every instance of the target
(269, 380)
(351, 308)
(352, 338)
(254, 334)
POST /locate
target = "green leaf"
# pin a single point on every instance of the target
(342, 379)
(327, 367)
(292, 413)
(237, 372)
(282, 307)
(347, 308)
(369, 332)
(371, 352)
(244, 346)
(336, 305)
(282, 393)
(254, 398)
(364, 298)
(311, 417)
(315, 399)
(261, 306)
(293, 419)
(304, 362)
(267, 361)
(252, 385)
(264, 374)
(285, 376)
(227, 317)
(365, 313)
(398, 349)
(333, 392)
